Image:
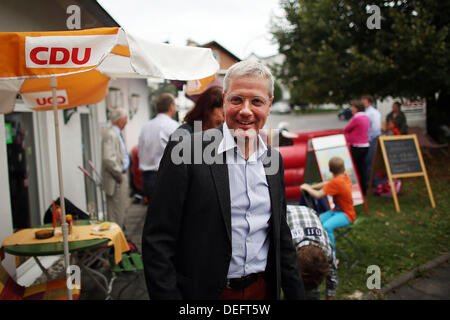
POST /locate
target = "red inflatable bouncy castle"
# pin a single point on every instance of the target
(294, 160)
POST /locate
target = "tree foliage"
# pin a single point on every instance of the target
(277, 92)
(332, 55)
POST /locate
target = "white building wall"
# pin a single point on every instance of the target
(71, 158)
(134, 125)
(6, 227)
(133, 128)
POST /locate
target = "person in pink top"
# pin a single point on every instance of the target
(356, 132)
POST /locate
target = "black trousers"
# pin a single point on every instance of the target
(359, 157)
(148, 182)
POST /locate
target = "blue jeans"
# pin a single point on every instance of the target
(369, 161)
(332, 220)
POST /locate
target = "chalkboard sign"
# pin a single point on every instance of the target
(402, 156)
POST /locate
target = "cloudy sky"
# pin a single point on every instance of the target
(241, 26)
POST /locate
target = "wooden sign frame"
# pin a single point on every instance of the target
(378, 165)
(344, 144)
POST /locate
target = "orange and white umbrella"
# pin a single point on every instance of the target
(111, 51)
(79, 64)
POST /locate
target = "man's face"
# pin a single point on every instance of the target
(121, 123)
(365, 103)
(395, 108)
(246, 105)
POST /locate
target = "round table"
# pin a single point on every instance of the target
(55, 248)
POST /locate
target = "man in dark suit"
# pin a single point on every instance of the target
(216, 228)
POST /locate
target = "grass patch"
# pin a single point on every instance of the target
(399, 242)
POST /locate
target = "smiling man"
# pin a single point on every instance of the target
(218, 230)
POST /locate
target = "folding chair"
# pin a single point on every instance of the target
(342, 233)
(131, 263)
(52, 290)
(318, 205)
(306, 198)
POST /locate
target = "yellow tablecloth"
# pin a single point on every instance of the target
(115, 234)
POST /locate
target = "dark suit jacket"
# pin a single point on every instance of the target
(186, 242)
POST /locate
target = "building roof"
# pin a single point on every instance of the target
(95, 8)
(216, 44)
(51, 15)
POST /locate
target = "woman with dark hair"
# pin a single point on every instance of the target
(357, 135)
(208, 110)
(398, 118)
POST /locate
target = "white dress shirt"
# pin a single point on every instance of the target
(375, 122)
(153, 139)
(250, 207)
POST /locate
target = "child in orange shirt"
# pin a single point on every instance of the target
(340, 188)
(390, 128)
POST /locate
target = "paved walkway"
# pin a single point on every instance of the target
(432, 285)
(129, 286)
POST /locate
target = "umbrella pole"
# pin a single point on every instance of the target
(64, 225)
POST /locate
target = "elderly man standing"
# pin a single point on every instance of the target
(115, 163)
(374, 131)
(153, 139)
(216, 228)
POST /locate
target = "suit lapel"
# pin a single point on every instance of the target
(274, 189)
(219, 172)
(221, 181)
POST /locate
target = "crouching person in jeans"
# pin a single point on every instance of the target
(340, 188)
(315, 255)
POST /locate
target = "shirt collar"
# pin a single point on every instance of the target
(229, 143)
(116, 128)
(307, 242)
(162, 115)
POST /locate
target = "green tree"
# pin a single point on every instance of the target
(333, 56)
(277, 92)
(155, 91)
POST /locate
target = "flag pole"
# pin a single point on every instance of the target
(64, 225)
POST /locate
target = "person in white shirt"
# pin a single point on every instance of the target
(374, 131)
(216, 228)
(153, 139)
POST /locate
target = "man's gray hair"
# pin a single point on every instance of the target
(116, 114)
(249, 68)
